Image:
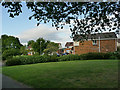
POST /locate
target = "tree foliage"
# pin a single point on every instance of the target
(103, 15)
(51, 48)
(23, 50)
(30, 42)
(9, 42)
(39, 45)
(10, 52)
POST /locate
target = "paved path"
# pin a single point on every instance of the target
(7, 82)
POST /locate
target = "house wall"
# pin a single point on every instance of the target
(108, 45)
(65, 50)
(60, 47)
(69, 46)
(118, 44)
(87, 46)
(60, 51)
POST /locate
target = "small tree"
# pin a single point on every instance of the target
(9, 42)
(9, 53)
(31, 42)
(51, 48)
(23, 50)
(39, 45)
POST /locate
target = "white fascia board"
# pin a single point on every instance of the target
(98, 39)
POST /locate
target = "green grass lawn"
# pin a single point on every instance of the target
(67, 74)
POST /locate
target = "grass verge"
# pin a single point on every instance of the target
(67, 74)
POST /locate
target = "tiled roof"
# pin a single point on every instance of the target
(69, 44)
(96, 36)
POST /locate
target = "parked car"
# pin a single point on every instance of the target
(58, 54)
(64, 54)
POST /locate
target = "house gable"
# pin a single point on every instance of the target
(97, 44)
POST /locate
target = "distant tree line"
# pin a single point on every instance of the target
(43, 46)
(11, 46)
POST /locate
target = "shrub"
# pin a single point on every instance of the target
(118, 49)
(116, 54)
(9, 53)
(112, 57)
(13, 61)
(83, 57)
(51, 58)
(90, 56)
(69, 57)
(22, 60)
(36, 54)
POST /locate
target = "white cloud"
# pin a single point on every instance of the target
(47, 32)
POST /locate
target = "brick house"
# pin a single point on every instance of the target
(101, 42)
(68, 47)
(30, 50)
(60, 51)
(59, 45)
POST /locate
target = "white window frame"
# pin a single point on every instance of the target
(94, 42)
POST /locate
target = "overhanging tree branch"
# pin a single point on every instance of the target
(104, 15)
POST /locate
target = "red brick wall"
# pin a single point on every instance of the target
(87, 46)
(108, 46)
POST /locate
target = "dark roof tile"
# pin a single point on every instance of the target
(69, 44)
(96, 36)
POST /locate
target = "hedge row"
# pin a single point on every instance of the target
(92, 56)
(22, 60)
(10, 53)
(69, 57)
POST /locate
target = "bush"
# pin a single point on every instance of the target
(22, 60)
(36, 54)
(13, 61)
(69, 57)
(90, 56)
(53, 58)
(9, 53)
(118, 49)
(116, 55)
(113, 57)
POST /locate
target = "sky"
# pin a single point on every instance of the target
(26, 29)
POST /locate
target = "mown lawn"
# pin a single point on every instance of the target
(67, 74)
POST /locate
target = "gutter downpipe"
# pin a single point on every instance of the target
(74, 47)
(116, 43)
(99, 44)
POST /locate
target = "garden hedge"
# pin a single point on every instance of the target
(22, 60)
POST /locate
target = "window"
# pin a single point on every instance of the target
(67, 46)
(68, 51)
(94, 42)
